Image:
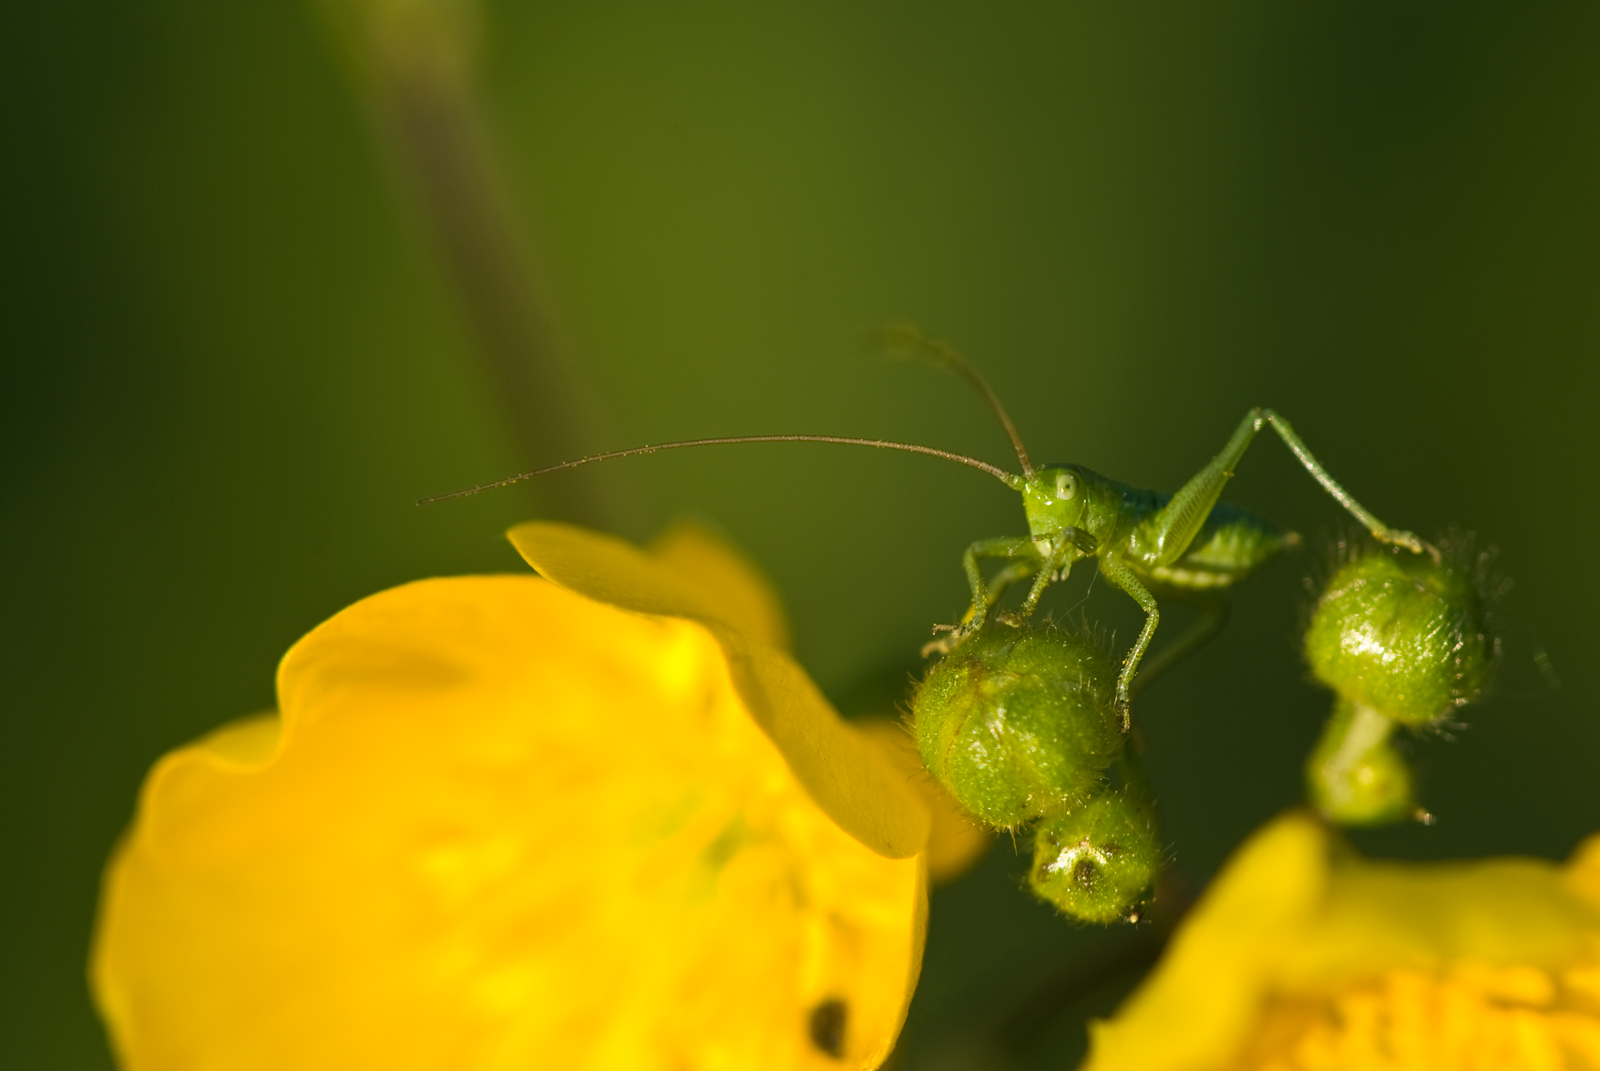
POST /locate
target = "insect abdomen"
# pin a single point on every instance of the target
(1233, 544)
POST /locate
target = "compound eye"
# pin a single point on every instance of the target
(1066, 486)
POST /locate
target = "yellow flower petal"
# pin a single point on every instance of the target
(844, 772)
(747, 600)
(1302, 956)
(1193, 1011)
(501, 826)
(1583, 870)
(1383, 915)
(956, 840)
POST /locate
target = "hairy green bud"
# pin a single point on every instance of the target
(1354, 775)
(1403, 634)
(1097, 863)
(1017, 723)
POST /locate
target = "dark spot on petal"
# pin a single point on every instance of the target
(1084, 874)
(828, 1022)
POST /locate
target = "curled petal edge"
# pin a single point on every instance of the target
(844, 772)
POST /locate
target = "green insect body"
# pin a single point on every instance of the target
(1075, 513)
(1018, 723)
(1099, 862)
(1022, 723)
(1187, 545)
(1355, 776)
(1230, 545)
(1403, 634)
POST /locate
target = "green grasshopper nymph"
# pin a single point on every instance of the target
(1187, 546)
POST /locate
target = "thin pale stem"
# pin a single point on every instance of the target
(418, 63)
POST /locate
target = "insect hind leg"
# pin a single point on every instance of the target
(1381, 532)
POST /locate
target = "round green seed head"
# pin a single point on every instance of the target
(1099, 862)
(1354, 776)
(1018, 722)
(1403, 634)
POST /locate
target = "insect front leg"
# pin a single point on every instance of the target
(982, 596)
(1007, 576)
(1117, 573)
(1065, 547)
(1024, 557)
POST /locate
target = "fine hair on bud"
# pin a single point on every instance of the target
(1099, 861)
(1402, 633)
(1019, 722)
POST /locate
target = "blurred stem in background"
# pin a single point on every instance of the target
(414, 60)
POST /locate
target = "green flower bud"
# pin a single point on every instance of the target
(1017, 723)
(1354, 776)
(1099, 862)
(1403, 634)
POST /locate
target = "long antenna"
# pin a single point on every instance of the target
(909, 340)
(882, 444)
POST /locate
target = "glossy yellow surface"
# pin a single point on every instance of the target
(1303, 957)
(844, 772)
(501, 825)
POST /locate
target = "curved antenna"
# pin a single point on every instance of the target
(882, 444)
(908, 340)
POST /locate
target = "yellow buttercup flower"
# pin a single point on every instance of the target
(1305, 957)
(597, 820)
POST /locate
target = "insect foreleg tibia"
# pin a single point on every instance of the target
(1049, 565)
(1066, 546)
(1006, 547)
(1003, 579)
(1024, 562)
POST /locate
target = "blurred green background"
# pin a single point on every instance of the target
(232, 360)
